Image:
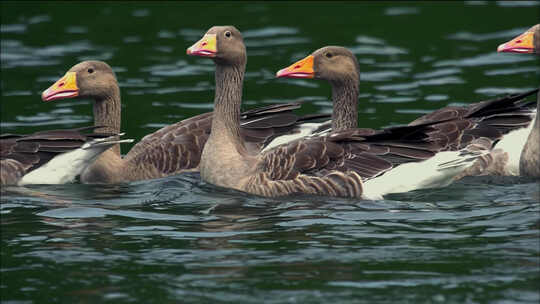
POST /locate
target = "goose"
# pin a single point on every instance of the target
(356, 162)
(175, 148)
(498, 119)
(529, 161)
(52, 156)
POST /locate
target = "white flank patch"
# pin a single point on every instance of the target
(64, 168)
(513, 144)
(431, 173)
(304, 130)
(61, 169)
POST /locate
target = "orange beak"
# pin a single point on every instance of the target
(65, 87)
(299, 69)
(206, 47)
(521, 44)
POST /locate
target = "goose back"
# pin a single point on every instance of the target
(342, 163)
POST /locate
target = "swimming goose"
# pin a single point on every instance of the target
(339, 67)
(497, 119)
(361, 163)
(50, 157)
(173, 149)
(529, 161)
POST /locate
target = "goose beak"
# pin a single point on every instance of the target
(299, 69)
(206, 47)
(521, 44)
(65, 87)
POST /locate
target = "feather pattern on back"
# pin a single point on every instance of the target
(177, 148)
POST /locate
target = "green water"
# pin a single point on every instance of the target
(179, 240)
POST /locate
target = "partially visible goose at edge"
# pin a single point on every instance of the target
(361, 163)
(50, 157)
(501, 120)
(529, 43)
(172, 149)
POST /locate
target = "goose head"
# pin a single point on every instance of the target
(224, 44)
(331, 63)
(528, 42)
(88, 79)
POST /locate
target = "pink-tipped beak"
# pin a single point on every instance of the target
(300, 69)
(521, 44)
(206, 47)
(65, 87)
(50, 95)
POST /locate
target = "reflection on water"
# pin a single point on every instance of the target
(179, 239)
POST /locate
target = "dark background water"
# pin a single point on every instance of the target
(178, 240)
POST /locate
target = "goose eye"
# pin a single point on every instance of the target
(228, 34)
(329, 55)
(90, 71)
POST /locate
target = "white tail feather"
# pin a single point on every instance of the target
(65, 167)
(467, 159)
(305, 130)
(109, 143)
(437, 171)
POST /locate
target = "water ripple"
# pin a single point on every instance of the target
(484, 59)
(180, 68)
(518, 3)
(377, 50)
(76, 30)
(14, 54)
(492, 91)
(419, 83)
(501, 35)
(381, 75)
(438, 73)
(269, 32)
(512, 71)
(88, 212)
(363, 39)
(12, 28)
(396, 11)
(275, 41)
